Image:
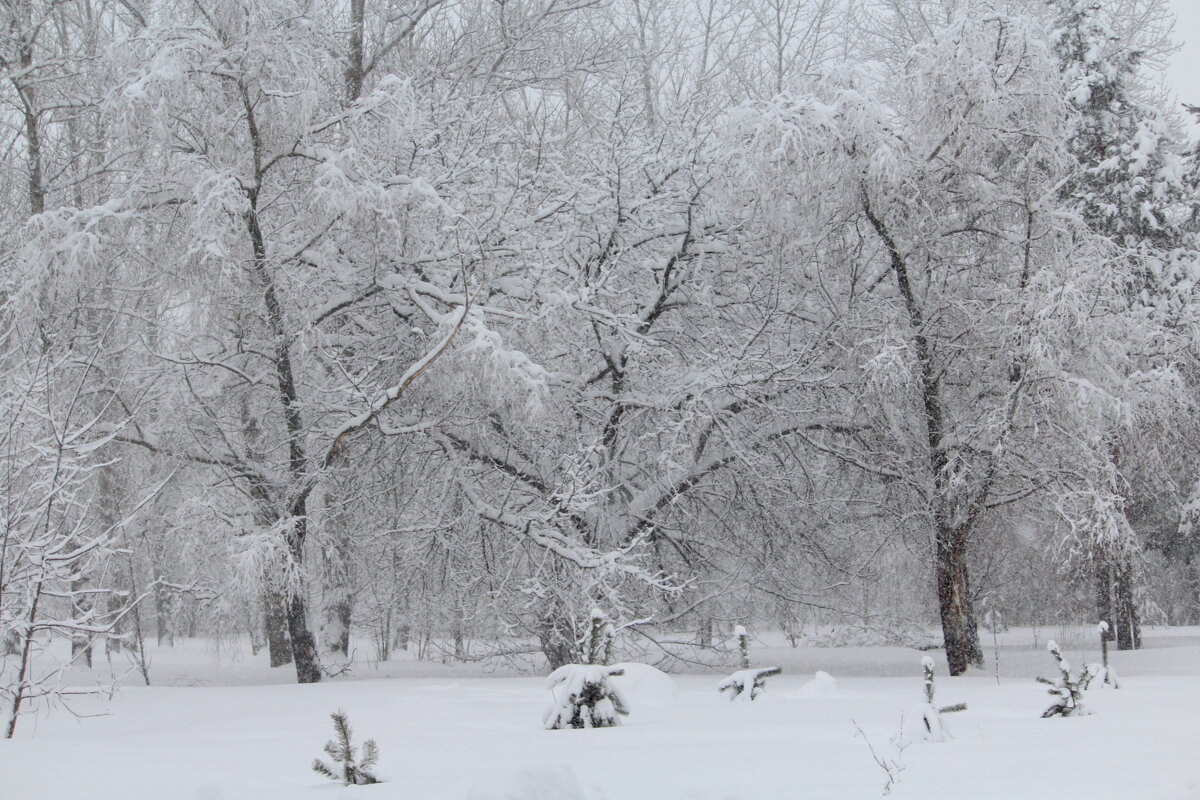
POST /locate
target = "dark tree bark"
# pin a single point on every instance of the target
(354, 56)
(1104, 603)
(557, 638)
(1129, 628)
(279, 645)
(959, 628)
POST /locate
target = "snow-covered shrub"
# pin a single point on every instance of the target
(753, 680)
(1067, 691)
(933, 729)
(584, 698)
(746, 683)
(347, 768)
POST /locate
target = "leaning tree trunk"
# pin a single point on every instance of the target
(959, 630)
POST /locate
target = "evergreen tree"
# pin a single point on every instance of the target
(583, 697)
(347, 768)
(1127, 189)
(1067, 690)
(935, 729)
(1128, 178)
(747, 683)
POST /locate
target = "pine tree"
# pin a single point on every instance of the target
(1128, 178)
(935, 729)
(348, 768)
(1067, 690)
(583, 697)
(1107, 674)
(1128, 190)
(747, 683)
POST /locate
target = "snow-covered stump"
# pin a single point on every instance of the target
(1068, 691)
(934, 729)
(584, 698)
(747, 683)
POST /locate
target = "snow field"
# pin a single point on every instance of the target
(480, 738)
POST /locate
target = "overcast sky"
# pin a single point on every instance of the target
(1184, 72)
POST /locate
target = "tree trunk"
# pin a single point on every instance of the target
(557, 639)
(337, 597)
(959, 629)
(279, 647)
(304, 644)
(1104, 600)
(354, 55)
(1129, 629)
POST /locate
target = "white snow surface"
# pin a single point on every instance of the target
(643, 685)
(449, 732)
(822, 685)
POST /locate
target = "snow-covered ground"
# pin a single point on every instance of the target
(229, 728)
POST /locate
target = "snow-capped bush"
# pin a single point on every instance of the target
(1067, 691)
(747, 684)
(584, 698)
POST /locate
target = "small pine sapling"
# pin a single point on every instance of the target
(931, 715)
(1067, 691)
(347, 768)
(583, 697)
(1107, 673)
(747, 683)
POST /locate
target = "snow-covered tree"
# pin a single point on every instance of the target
(583, 697)
(1128, 188)
(1067, 690)
(930, 713)
(748, 682)
(348, 767)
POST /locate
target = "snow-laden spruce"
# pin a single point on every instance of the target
(1068, 690)
(583, 697)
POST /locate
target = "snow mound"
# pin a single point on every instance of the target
(541, 782)
(643, 685)
(822, 685)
